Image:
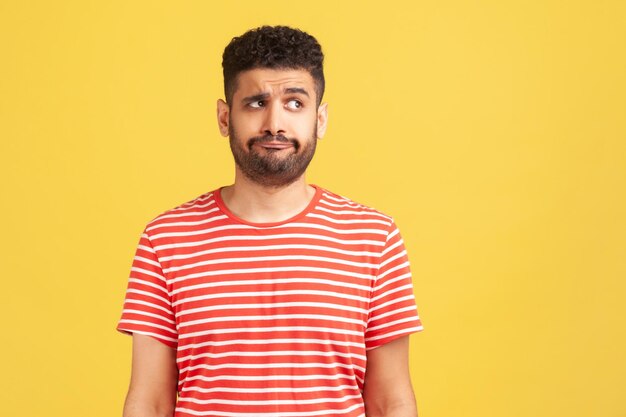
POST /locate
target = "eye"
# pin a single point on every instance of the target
(294, 104)
(256, 104)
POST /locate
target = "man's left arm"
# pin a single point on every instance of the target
(387, 390)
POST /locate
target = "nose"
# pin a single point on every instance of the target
(273, 121)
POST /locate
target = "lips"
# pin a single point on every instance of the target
(275, 145)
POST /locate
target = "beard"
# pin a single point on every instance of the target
(268, 168)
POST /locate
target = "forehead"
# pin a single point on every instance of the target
(273, 81)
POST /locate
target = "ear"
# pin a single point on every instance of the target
(322, 120)
(223, 112)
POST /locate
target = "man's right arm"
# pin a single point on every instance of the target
(153, 381)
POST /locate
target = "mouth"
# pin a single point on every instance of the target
(275, 145)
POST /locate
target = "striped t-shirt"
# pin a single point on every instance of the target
(271, 320)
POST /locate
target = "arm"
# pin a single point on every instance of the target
(387, 390)
(154, 376)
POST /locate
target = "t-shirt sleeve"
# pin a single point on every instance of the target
(392, 309)
(147, 306)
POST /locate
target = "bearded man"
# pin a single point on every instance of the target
(271, 297)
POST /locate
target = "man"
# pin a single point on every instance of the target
(270, 297)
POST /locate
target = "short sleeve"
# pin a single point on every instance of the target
(392, 308)
(147, 305)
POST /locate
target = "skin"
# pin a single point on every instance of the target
(387, 389)
(154, 375)
(277, 113)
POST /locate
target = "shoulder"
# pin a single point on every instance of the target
(189, 212)
(344, 207)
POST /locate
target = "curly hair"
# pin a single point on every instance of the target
(276, 47)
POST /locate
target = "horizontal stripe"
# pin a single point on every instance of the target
(271, 258)
(202, 202)
(270, 294)
(268, 402)
(303, 304)
(294, 269)
(268, 366)
(351, 212)
(398, 279)
(344, 203)
(354, 242)
(390, 248)
(188, 381)
(187, 223)
(270, 329)
(157, 287)
(147, 261)
(302, 226)
(339, 198)
(393, 258)
(348, 221)
(391, 270)
(147, 324)
(352, 231)
(268, 390)
(147, 294)
(391, 302)
(393, 291)
(271, 353)
(291, 247)
(270, 342)
(393, 323)
(157, 335)
(149, 249)
(272, 282)
(130, 300)
(147, 272)
(148, 314)
(178, 215)
(391, 313)
(243, 319)
(403, 331)
(264, 378)
(324, 412)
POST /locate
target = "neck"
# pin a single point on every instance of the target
(256, 203)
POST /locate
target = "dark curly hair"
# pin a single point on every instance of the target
(278, 47)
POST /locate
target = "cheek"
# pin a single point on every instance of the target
(304, 125)
(246, 122)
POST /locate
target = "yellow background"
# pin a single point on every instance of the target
(493, 131)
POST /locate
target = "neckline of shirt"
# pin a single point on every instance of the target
(217, 195)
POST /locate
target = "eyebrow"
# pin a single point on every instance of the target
(255, 97)
(296, 90)
(263, 96)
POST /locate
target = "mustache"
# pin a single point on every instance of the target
(272, 138)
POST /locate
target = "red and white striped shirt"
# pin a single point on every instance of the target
(271, 320)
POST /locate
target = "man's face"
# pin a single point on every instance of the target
(273, 124)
